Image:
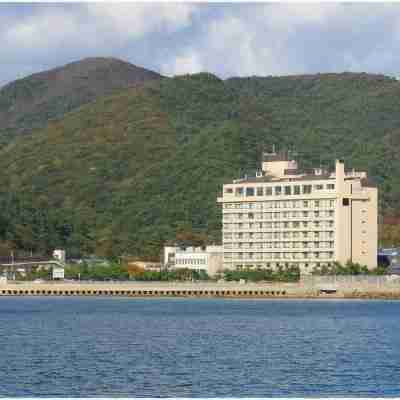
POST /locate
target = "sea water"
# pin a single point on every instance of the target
(75, 346)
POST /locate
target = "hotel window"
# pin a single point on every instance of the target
(250, 215)
(316, 224)
(316, 203)
(260, 191)
(305, 234)
(305, 224)
(316, 214)
(228, 190)
(331, 203)
(330, 186)
(278, 190)
(307, 189)
(318, 187)
(249, 191)
(305, 203)
(286, 225)
(296, 224)
(305, 214)
(288, 190)
(316, 234)
(296, 189)
(268, 191)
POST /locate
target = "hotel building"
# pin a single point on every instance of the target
(284, 216)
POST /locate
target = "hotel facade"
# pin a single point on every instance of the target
(287, 217)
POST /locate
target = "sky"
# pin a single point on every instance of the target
(226, 39)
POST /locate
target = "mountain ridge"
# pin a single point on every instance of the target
(29, 103)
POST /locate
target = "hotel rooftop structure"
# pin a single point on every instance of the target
(284, 216)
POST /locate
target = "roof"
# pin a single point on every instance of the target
(368, 182)
(271, 179)
(280, 156)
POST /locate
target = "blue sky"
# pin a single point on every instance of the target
(239, 39)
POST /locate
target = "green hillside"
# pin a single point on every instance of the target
(29, 103)
(125, 173)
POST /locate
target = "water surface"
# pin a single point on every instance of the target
(198, 347)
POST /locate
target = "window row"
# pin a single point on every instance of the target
(259, 205)
(278, 245)
(259, 266)
(279, 190)
(280, 255)
(278, 235)
(279, 215)
(190, 261)
(278, 225)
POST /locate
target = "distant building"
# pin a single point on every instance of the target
(59, 255)
(284, 216)
(208, 258)
(390, 258)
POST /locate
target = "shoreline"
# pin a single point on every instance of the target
(199, 290)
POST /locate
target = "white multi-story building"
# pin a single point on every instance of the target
(284, 216)
(208, 259)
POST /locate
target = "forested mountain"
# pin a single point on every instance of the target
(126, 172)
(29, 103)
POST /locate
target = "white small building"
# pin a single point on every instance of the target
(208, 259)
(59, 255)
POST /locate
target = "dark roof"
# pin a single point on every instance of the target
(368, 182)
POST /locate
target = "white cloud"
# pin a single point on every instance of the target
(188, 63)
(137, 19)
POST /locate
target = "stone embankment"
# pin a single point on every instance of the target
(199, 289)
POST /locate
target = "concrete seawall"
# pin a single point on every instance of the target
(223, 290)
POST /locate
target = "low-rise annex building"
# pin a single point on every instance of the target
(284, 216)
(208, 258)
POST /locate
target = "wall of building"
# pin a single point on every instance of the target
(307, 221)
